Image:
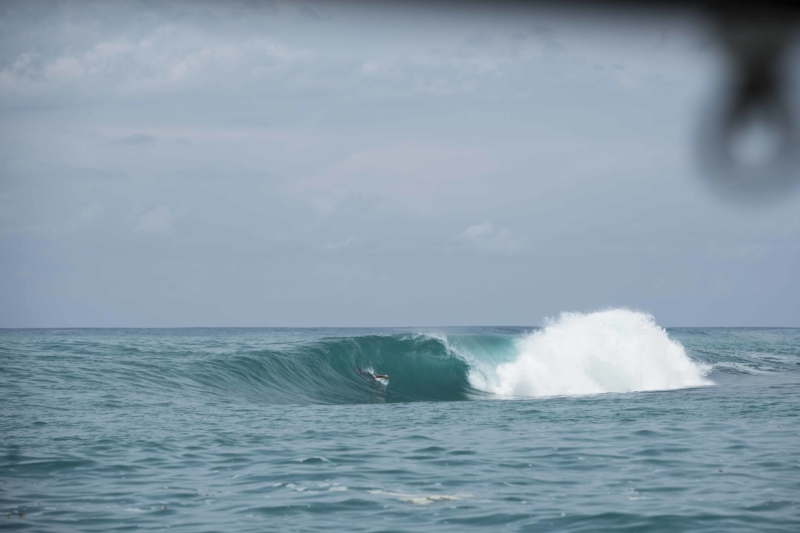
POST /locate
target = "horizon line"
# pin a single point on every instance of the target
(354, 327)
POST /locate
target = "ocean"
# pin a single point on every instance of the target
(595, 422)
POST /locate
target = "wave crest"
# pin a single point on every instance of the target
(615, 350)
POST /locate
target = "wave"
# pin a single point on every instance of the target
(420, 368)
(608, 351)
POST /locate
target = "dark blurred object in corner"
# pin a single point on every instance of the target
(749, 142)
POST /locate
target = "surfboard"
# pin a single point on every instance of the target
(371, 377)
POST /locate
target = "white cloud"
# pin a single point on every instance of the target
(20, 70)
(159, 220)
(163, 57)
(430, 58)
(108, 49)
(338, 245)
(90, 213)
(416, 177)
(201, 60)
(484, 237)
(478, 231)
(64, 68)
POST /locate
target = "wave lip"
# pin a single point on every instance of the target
(616, 350)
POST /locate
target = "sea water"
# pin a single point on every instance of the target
(598, 422)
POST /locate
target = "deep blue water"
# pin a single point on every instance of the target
(275, 430)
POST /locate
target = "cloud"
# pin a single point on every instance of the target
(64, 68)
(164, 57)
(478, 231)
(159, 220)
(137, 139)
(415, 177)
(458, 61)
(90, 213)
(338, 245)
(197, 61)
(484, 237)
(172, 50)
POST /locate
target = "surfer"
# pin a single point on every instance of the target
(371, 375)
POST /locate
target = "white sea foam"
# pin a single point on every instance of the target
(419, 499)
(616, 350)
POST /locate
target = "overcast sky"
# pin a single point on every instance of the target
(334, 164)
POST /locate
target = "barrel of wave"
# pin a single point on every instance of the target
(616, 350)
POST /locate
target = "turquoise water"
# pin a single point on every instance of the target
(477, 428)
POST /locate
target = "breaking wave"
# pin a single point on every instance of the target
(609, 351)
(577, 354)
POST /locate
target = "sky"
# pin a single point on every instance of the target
(369, 164)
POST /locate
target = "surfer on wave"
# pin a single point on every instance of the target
(369, 374)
